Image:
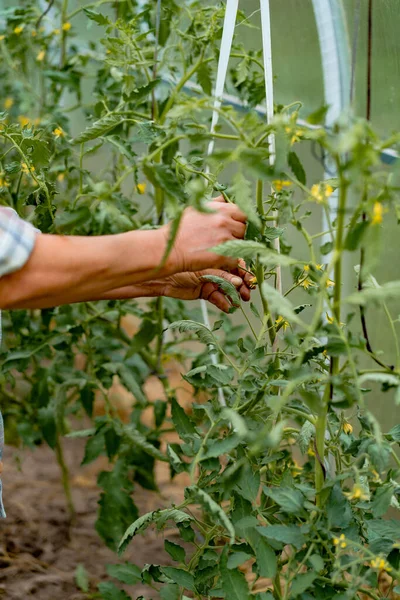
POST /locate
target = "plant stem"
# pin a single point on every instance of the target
(64, 19)
(320, 429)
(65, 477)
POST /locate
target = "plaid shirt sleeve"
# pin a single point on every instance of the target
(17, 239)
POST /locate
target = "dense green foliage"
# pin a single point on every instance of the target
(279, 479)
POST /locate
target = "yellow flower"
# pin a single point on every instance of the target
(306, 268)
(296, 469)
(41, 55)
(2, 37)
(310, 450)
(27, 169)
(319, 267)
(56, 31)
(330, 283)
(61, 177)
(380, 564)
(252, 283)
(321, 191)
(330, 319)
(3, 182)
(347, 427)
(307, 283)
(24, 121)
(357, 493)
(66, 26)
(377, 214)
(281, 323)
(340, 541)
(141, 188)
(8, 102)
(296, 134)
(34, 33)
(58, 132)
(279, 184)
(19, 29)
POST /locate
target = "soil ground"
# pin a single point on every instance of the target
(39, 551)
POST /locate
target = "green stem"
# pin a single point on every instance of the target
(200, 61)
(65, 477)
(64, 19)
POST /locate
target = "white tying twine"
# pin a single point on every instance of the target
(225, 51)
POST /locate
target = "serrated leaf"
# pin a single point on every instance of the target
(250, 250)
(233, 581)
(382, 500)
(182, 422)
(227, 288)
(96, 17)
(204, 78)
(100, 127)
(170, 592)
(266, 559)
(159, 516)
(181, 577)
(126, 573)
(338, 508)
(138, 439)
(244, 198)
(289, 499)
(203, 333)
(236, 559)
(82, 578)
(219, 447)
(212, 508)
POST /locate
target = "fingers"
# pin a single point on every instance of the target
(229, 208)
(238, 229)
(232, 278)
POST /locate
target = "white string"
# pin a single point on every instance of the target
(224, 54)
(269, 94)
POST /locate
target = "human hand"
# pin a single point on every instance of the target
(192, 286)
(198, 232)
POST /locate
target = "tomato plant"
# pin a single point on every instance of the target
(282, 486)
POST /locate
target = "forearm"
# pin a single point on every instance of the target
(62, 269)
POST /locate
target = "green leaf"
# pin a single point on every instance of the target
(338, 508)
(100, 127)
(146, 334)
(318, 116)
(297, 168)
(266, 559)
(317, 562)
(382, 499)
(394, 434)
(47, 423)
(170, 592)
(222, 446)
(355, 236)
(287, 534)
(109, 591)
(97, 17)
(212, 508)
(387, 291)
(280, 304)
(202, 332)
(326, 248)
(175, 551)
(233, 582)
(204, 78)
(133, 386)
(226, 287)
(126, 573)
(236, 559)
(181, 577)
(244, 198)
(138, 439)
(249, 250)
(182, 422)
(159, 516)
(301, 583)
(82, 578)
(289, 499)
